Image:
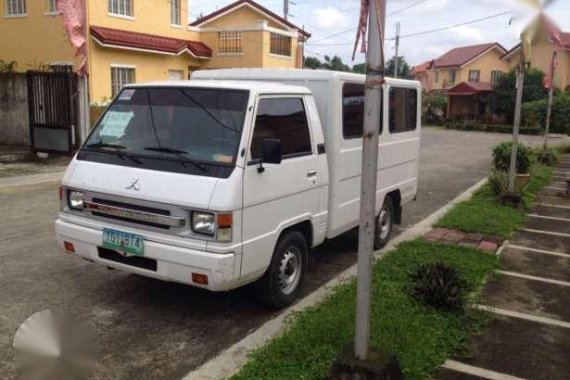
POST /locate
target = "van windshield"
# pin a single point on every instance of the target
(170, 129)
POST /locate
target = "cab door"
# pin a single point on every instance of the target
(282, 194)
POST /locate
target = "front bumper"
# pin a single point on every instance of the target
(173, 263)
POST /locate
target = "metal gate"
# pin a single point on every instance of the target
(52, 100)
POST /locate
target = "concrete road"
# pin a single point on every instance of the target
(149, 329)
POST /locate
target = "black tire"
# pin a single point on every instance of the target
(273, 288)
(383, 229)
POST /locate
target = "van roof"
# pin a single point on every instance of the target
(288, 74)
(259, 87)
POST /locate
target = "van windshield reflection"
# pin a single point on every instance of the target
(196, 126)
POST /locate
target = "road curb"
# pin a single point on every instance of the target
(233, 358)
(28, 180)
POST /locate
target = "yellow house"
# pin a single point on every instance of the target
(148, 40)
(541, 55)
(476, 63)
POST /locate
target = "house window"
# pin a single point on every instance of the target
(474, 75)
(280, 44)
(403, 113)
(452, 77)
(230, 42)
(175, 12)
(436, 76)
(495, 76)
(121, 7)
(51, 9)
(282, 119)
(121, 76)
(15, 7)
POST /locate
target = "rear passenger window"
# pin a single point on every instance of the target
(403, 109)
(353, 111)
(283, 119)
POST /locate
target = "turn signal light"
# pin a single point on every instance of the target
(224, 220)
(61, 192)
(199, 278)
(69, 247)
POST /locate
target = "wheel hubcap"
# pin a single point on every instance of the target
(384, 223)
(290, 270)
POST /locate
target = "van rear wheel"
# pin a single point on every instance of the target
(384, 224)
(281, 284)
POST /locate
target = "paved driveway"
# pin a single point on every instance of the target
(149, 329)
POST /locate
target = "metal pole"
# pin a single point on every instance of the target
(517, 123)
(285, 9)
(397, 48)
(373, 104)
(548, 118)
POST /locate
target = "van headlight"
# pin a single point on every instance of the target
(203, 223)
(75, 200)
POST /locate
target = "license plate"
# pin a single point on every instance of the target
(124, 242)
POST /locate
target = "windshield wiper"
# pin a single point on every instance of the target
(117, 148)
(178, 153)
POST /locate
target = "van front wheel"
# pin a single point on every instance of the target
(384, 224)
(282, 282)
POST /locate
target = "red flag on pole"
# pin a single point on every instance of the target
(555, 38)
(74, 15)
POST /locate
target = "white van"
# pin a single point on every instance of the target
(219, 183)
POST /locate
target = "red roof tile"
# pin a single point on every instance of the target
(421, 68)
(253, 4)
(460, 56)
(144, 41)
(470, 88)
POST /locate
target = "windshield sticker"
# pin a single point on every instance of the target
(223, 158)
(115, 123)
(127, 94)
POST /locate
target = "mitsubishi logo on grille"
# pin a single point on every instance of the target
(133, 185)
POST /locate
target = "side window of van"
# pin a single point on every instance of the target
(283, 119)
(353, 111)
(403, 109)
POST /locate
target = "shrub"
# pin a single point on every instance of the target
(502, 157)
(534, 114)
(548, 157)
(434, 107)
(440, 286)
(499, 182)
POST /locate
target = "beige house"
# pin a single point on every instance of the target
(541, 55)
(148, 40)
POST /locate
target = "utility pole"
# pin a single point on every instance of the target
(397, 48)
(517, 121)
(285, 9)
(548, 118)
(372, 120)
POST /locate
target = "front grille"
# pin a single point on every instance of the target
(131, 207)
(134, 261)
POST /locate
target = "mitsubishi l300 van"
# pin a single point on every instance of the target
(219, 183)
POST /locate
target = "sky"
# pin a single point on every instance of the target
(326, 18)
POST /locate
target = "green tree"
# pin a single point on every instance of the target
(403, 68)
(504, 94)
(313, 63)
(359, 68)
(335, 63)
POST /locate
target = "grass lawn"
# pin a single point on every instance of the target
(482, 213)
(421, 337)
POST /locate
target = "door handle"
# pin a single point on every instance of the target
(311, 173)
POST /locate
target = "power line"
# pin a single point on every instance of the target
(425, 31)
(354, 28)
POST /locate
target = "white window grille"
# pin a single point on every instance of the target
(121, 76)
(175, 12)
(121, 7)
(15, 7)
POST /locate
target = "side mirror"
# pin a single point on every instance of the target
(272, 151)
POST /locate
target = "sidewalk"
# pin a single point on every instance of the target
(18, 161)
(528, 301)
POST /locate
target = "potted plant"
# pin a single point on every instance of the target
(525, 161)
